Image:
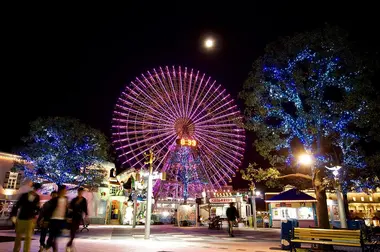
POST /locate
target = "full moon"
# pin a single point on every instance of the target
(209, 43)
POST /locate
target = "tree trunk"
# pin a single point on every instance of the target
(322, 212)
(345, 200)
(320, 193)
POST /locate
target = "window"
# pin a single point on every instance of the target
(370, 199)
(12, 180)
(113, 190)
(354, 198)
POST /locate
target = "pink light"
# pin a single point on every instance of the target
(148, 108)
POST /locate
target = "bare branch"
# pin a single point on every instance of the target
(299, 175)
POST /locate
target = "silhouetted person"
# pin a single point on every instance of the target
(232, 215)
(57, 214)
(29, 205)
(43, 221)
(78, 207)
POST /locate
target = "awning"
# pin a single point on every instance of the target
(292, 195)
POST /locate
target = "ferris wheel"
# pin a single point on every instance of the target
(168, 107)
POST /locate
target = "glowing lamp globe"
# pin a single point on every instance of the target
(305, 159)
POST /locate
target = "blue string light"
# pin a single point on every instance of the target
(57, 161)
(303, 81)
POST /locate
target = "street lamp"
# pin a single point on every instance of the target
(339, 196)
(253, 199)
(305, 159)
(150, 159)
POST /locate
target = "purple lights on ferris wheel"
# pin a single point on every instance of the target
(168, 104)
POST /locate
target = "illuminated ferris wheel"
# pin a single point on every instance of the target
(168, 107)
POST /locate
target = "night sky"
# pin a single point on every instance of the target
(75, 60)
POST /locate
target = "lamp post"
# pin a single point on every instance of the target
(339, 196)
(253, 202)
(134, 209)
(307, 159)
(150, 159)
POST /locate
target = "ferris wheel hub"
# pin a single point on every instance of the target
(184, 127)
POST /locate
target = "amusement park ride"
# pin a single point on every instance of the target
(191, 125)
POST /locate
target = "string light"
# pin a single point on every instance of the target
(290, 104)
(61, 161)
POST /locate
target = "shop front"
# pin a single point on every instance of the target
(292, 204)
(217, 206)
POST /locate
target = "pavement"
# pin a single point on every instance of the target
(165, 238)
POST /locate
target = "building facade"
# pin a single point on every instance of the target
(361, 205)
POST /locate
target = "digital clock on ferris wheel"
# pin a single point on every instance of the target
(187, 142)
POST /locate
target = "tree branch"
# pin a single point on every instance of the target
(299, 175)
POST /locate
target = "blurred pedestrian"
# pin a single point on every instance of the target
(57, 214)
(232, 215)
(78, 207)
(43, 221)
(23, 215)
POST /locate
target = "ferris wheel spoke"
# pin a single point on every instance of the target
(147, 96)
(160, 96)
(144, 140)
(169, 77)
(209, 105)
(195, 97)
(188, 89)
(204, 96)
(203, 137)
(155, 144)
(128, 124)
(137, 131)
(142, 114)
(214, 110)
(166, 91)
(147, 100)
(144, 123)
(143, 107)
(220, 172)
(212, 162)
(218, 133)
(221, 151)
(166, 146)
(228, 125)
(212, 172)
(211, 182)
(219, 117)
(215, 149)
(181, 93)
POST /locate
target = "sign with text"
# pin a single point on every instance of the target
(222, 200)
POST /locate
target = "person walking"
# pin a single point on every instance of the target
(78, 207)
(43, 221)
(57, 214)
(23, 215)
(232, 214)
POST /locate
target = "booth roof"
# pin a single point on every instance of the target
(293, 195)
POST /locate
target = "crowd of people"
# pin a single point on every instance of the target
(55, 215)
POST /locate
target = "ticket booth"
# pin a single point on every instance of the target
(292, 204)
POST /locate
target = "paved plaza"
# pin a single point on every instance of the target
(164, 239)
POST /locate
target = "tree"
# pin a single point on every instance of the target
(306, 95)
(64, 150)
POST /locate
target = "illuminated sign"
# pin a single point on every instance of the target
(222, 200)
(187, 142)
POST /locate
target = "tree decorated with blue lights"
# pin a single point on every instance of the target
(305, 95)
(64, 150)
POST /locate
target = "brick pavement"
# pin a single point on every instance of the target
(164, 239)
